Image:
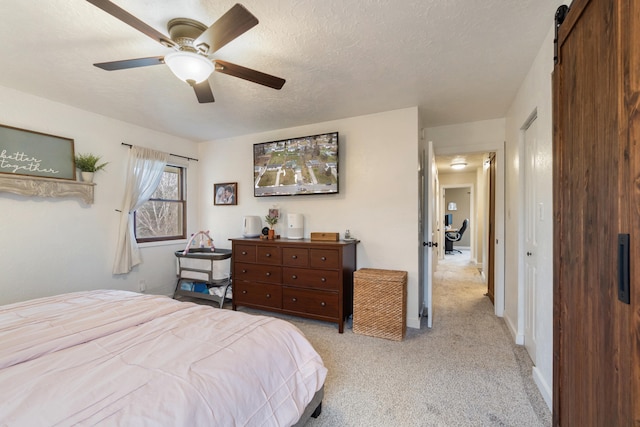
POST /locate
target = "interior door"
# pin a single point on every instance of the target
(429, 241)
(531, 238)
(434, 221)
(491, 244)
(596, 169)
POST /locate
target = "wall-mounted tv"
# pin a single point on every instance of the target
(296, 166)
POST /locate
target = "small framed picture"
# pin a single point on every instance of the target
(225, 193)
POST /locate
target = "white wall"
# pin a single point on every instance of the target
(472, 137)
(378, 199)
(55, 245)
(534, 94)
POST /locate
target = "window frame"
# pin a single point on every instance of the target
(182, 199)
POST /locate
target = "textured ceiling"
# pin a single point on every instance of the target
(457, 60)
(473, 161)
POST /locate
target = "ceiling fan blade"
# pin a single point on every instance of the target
(249, 74)
(129, 19)
(235, 22)
(130, 63)
(203, 92)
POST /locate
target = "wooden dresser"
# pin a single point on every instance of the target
(305, 278)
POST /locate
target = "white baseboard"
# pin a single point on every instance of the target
(518, 338)
(543, 386)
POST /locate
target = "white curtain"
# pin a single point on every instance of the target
(145, 172)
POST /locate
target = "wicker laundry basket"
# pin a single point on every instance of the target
(380, 303)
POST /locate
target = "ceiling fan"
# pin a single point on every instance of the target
(194, 44)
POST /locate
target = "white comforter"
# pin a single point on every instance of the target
(121, 358)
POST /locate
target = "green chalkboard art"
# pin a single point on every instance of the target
(24, 152)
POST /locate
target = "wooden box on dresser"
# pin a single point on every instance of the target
(305, 278)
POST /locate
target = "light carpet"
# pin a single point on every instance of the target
(465, 371)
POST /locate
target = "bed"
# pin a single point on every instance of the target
(123, 358)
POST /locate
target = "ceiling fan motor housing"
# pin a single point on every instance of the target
(184, 31)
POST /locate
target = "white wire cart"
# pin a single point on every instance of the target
(204, 274)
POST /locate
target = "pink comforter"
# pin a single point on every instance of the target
(121, 358)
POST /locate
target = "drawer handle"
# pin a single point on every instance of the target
(324, 258)
(244, 271)
(295, 257)
(244, 252)
(268, 295)
(268, 274)
(294, 277)
(323, 303)
(268, 255)
(323, 279)
(244, 291)
(294, 299)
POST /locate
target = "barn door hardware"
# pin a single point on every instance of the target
(561, 14)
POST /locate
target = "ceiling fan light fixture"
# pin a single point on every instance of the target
(189, 67)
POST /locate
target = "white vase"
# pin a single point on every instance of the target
(87, 176)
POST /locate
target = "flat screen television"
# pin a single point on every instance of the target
(296, 166)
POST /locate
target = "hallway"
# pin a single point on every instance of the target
(463, 314)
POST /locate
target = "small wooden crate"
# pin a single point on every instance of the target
(325, 237)
(380, 303)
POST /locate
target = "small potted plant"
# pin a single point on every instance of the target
(88, 165)
(272, 219)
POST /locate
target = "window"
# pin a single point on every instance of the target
(163, 216)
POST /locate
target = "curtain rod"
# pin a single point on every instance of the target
(171, 154)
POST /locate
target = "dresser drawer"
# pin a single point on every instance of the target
(244, 253)
(257, 294)
(307, 278)
(320, 303)
(325, 258)
(269, 255)
(295, 257)
(302, 278)
(257, 272)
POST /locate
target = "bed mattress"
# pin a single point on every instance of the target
(122, 358)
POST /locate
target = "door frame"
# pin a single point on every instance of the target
(471, 229)
(499, 244)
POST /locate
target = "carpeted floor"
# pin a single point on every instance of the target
(465, 371)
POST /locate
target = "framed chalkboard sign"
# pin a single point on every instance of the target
(24, 152)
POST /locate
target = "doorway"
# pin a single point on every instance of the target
(487, 180)
(458, 205)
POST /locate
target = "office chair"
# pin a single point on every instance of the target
(455, 236)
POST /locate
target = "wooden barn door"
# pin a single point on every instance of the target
(596, 204)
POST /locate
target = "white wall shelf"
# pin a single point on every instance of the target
(47, 187)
